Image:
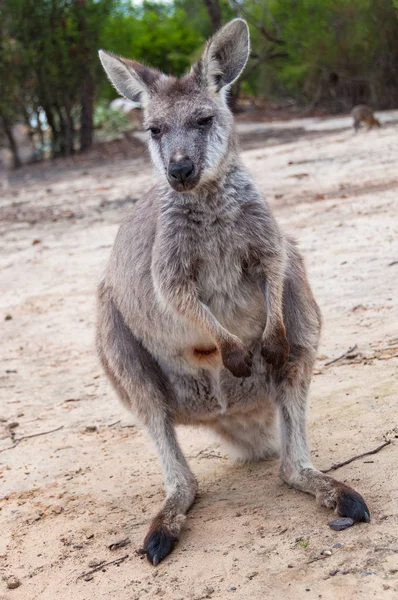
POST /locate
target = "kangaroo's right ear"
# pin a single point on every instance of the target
(131, 79)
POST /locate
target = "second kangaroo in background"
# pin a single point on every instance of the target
(364, 114)
(205, 313)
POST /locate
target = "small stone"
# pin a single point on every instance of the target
(57, 509)
(337, 545)
(233, 588)
(90, 428)
(386, 587)
(290, 566)
(8, 317)
(334, 572)
(12, 582)
(39, 514)
(95, 563)
(119, 543)
(368, 572)
(327, 552)
(340, 524)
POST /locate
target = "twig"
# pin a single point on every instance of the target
(32, 435)
(357, 457)
(117, 561)
(381, 548)
(204, 454)
(330, 362)
(323, 556)
(115, 423)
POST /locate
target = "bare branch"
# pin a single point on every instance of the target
(357, 457)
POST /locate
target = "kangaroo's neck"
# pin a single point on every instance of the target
(231, 185)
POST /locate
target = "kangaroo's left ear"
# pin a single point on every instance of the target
(225, 55)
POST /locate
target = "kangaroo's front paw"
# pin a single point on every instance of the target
(275, 349)
(237, 358)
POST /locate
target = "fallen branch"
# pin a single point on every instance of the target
(32, 435)
(357, 457)
(330, 362)
(117, 561)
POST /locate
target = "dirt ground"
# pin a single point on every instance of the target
(66, 496)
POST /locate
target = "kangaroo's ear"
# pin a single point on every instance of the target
(225, 55)
(131, 79)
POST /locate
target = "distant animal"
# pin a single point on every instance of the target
(364, 114)
(205, 313)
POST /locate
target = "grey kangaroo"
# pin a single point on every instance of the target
(205, 314)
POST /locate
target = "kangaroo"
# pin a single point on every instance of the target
(364, 114)
(205, 314)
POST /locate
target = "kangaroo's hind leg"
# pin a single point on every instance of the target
(145, 389)
(303, 321)
(296, 466)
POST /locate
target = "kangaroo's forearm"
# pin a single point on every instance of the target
(184, 300)
(273, 291)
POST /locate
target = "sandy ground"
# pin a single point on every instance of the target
(67, 495)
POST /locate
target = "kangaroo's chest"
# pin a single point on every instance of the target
(222, 258)
(225, 281)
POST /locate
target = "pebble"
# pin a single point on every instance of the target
(8, 318)
(95, 563)
(119, 543)
(327, 552)
(90, 428)
(334, 572)
(340, 524)
(12, 582)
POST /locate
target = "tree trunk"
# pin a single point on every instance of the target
(11, 140)
(213, 8)
(54, 131)
(62, 132)
(233, 96)
(69, 129)
(87, 107)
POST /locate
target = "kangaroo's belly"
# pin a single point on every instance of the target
(181, 345)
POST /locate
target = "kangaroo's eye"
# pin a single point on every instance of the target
(205, 121)
(155, 131)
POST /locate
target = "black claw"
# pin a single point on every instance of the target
(158, 545)
(351, 504)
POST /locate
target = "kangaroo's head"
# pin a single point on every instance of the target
(190, 127)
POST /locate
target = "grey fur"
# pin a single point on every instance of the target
(205, 314)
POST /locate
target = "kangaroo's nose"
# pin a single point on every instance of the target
(181, 171)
